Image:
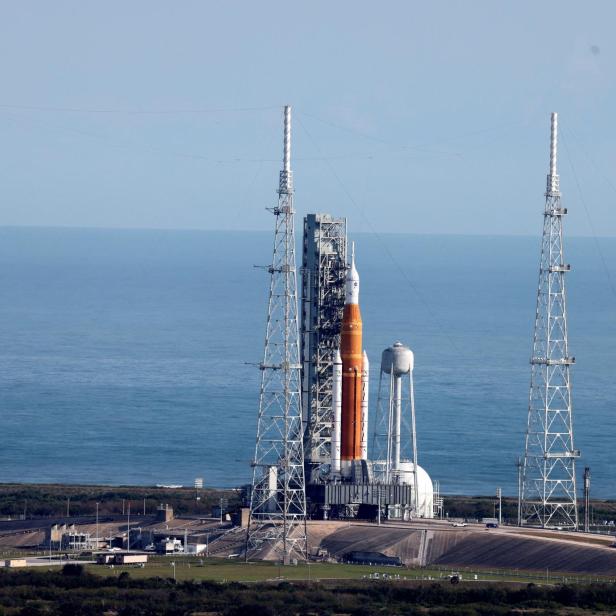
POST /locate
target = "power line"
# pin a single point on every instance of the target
(430, 310)
(422, 146)
(588, 216)
(160, 150)
(136, 111)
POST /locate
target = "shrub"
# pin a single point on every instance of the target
(72, 570)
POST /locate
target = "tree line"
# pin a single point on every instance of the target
(75, 592)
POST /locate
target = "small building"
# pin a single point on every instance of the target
(54, 534)
(121, 558)
(196, 548)
(170, 546)
(164, 513)
(242, 518)
(13, 563)
(65, 537)
(105, 558)
(129, 558)
(77, 541)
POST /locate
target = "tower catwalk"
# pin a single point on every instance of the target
(324, 271)
(548, 474)
(278, 499)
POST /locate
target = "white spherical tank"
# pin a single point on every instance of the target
(425, 501)
(398, 357)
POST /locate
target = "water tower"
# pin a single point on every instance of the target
(395, 439)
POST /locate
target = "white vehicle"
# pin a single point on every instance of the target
(172, 546)
(459, 524)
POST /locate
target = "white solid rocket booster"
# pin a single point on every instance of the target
(337, 411)
(364, 406)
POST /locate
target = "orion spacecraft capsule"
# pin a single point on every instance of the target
(350, 387)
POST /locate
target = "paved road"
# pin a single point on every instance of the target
(18, 526)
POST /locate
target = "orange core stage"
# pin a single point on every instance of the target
(352, 365)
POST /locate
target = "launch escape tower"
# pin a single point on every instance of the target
(323, 279)
(548, 474)
(277, 519)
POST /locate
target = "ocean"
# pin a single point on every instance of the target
(128, 356)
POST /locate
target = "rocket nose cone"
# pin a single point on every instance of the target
(352, 282)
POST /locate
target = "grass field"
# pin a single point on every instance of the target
(234, 571)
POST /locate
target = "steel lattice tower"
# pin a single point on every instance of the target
(277, 520)
(324, 271)
(548, 475)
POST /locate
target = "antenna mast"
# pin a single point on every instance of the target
(548, 475)
(277, 523)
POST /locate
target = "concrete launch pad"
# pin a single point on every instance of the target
(428, 543)
(438, 543)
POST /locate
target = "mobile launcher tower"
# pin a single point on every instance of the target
(342, 481)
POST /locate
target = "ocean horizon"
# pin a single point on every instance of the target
(128, 356)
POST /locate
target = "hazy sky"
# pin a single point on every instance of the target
(420, 117)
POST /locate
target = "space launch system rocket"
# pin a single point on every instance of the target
(350, 387)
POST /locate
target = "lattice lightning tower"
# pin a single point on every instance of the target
(278, 498)
(548, 476)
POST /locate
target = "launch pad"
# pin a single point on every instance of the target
(342, 481)
(311, 455)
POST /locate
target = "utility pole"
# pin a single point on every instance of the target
(587, 499)
(499, 495)
(519, 464)
(278, 497)
(549, 495)
(128, 526)
(97, 535)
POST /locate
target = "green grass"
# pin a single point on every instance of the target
(237, 571)
(234, 571)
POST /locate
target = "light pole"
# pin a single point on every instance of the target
(97, 535)
(519, 465)
(499, 495)
(128, 529)
(223, 505)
